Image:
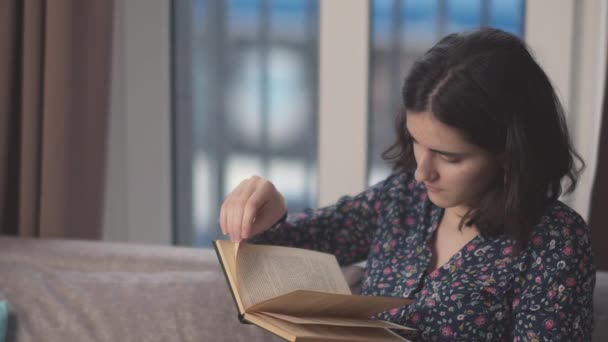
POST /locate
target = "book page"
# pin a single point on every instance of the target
(343, 322)
(313, 332)
(304, 303)
(236, 249)
(265, 272)
(227, 252)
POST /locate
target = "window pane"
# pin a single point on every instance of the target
(402, 30)
(294, 177)
(245, 99)
(508, 15)
(464, 15)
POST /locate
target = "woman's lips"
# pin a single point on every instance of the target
(431, 188)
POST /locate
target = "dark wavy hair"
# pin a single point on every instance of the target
(486, 84)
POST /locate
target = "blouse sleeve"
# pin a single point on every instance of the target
(554, 292)
(345, 229)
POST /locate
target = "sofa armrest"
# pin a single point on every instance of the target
(64, 290)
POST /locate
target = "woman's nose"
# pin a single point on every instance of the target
(425, 169)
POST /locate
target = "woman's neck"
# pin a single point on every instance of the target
(453, 216)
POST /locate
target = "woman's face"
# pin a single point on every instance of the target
(455, 172)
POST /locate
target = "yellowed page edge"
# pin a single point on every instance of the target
(236, 251)
(275, 326)
(344, 322)
(305, 303)
(314, 332)
(225, 250)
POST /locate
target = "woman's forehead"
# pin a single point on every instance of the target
(427, 130)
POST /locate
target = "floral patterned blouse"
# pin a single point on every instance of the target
(483, 293)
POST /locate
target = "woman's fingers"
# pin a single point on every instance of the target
(230, 208)
(252, 206)
(233, 207)
(258, 199)
(223, 217)
(238, 209)
(269, 207)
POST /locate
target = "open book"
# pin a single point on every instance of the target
(301, 295)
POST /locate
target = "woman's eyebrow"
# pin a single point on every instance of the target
(446, 153)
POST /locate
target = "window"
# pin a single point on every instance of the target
(402, 30)
(245, 83)
(245, 102)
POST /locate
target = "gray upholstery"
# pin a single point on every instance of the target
(600, 307)
(94, 291)
(97, 291)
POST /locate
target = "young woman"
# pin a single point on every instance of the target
(469, 225)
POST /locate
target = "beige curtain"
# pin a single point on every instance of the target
(54, 92)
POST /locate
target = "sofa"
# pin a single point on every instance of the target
(65, 290)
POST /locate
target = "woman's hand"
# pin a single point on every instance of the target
(252, 207)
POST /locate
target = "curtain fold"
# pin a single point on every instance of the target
(8, 125)
(54, 99)
(598, 215)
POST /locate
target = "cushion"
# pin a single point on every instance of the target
(3, 319)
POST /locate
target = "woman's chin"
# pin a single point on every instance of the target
(439, 200)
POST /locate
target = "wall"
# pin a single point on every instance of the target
(138, 198)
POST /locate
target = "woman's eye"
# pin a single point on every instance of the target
(450, 159)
